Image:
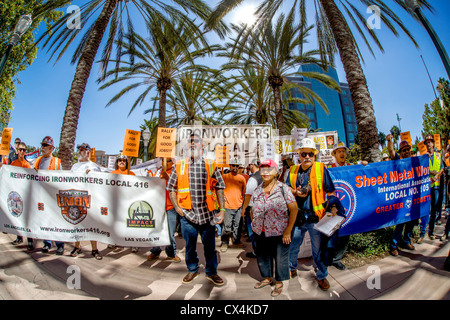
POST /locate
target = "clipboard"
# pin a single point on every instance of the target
(329, 224)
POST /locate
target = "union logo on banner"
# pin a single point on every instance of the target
(74, 204)
(140, 215)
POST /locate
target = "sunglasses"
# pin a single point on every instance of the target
(405, 150)
(304, 154)
(428, 141)
(234, 165)
(22, 149)
(121, 160)
(44, 145)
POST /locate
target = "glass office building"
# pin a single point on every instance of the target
(341, 116)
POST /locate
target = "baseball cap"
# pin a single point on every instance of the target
(85, 146)
(269, 163)
(48, 140)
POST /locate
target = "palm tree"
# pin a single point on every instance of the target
(272, 48)
(157, 62)
(194, 98)
(118, 15)
(334, 32)
(251, 101)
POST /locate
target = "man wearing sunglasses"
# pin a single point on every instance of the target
(21, 148)
(13, 155)
(311, 199)
(48, 162)
(403, 232)
(196, 191)
(436, 170)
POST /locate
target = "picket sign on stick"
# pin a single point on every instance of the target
(165, 144)
(131, 145)
(6, 141)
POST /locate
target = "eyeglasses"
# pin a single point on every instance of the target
(304, 154)
(22, 149)
(195, 141)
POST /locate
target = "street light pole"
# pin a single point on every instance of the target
(21, 27)
(146, 137)
(437, 42)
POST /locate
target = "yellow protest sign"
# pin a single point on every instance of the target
(222, 156)
(422, 148)
(6, 141)
(406, 136)
(92, 157)
(165, 142)
(131, 143)
(437, 141)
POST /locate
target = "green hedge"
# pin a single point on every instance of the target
(373, 243)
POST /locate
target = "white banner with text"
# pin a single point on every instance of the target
(64, 206)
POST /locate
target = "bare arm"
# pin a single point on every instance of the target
(173, 199)
(293, 209)
(391, 150)
(221, 199)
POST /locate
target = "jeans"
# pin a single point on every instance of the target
(316, 239)
(436, 208)
(171, 250)
(58, 244)
(231, 225)
(250, 231)
(207, 233)
(401, 237)
(270, 253)
(341, 247)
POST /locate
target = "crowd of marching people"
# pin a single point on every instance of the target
(275, 207)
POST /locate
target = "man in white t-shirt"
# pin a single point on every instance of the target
(254, 180)
(84, 164)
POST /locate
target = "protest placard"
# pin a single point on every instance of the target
(165, 142)
(131, 143)
(6, 141)
(222, 156)
(406, 136)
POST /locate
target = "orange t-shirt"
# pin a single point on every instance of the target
(21, 163)
(234, 190)
(118, 171)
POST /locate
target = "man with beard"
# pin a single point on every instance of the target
(196, 192)
(311, 184)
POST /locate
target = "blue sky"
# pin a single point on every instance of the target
(397, 81)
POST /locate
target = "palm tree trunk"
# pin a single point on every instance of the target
(162, 108)
(83, 70)
(362, 102)
(278, 110)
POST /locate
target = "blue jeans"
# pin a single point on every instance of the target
(171, 250)
(58, 244)
(268, 251)
(316, 239)
(401, 237)
(207, 233)
(250, 231)
(436, 207)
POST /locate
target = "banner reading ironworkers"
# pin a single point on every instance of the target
(64, 206)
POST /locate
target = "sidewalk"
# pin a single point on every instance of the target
(417, 274)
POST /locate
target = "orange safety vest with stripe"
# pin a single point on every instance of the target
(55, 163)
(184, 193)
(318, 194)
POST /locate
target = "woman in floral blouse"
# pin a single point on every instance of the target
(273, 214)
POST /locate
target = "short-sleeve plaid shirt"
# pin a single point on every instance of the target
(197, 186)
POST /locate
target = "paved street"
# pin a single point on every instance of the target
(124, 275)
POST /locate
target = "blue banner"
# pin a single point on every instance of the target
(383, 194)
